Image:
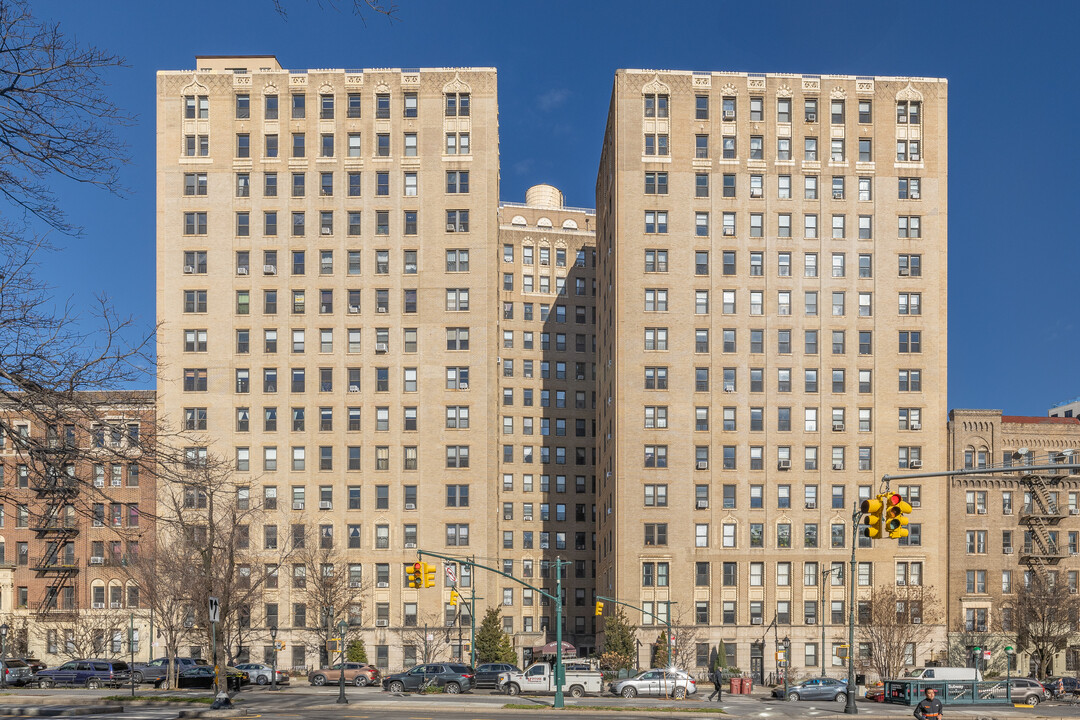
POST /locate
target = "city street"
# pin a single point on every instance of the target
(307, 702)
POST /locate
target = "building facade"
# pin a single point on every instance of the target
(772, 258)
(79, 498)
(1005, 526)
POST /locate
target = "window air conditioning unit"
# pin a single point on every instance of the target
(980, 511)
(916, 426)
(97, 561)
(189, 269)
(729, 114)
(580, 377)
(298, 506)
(837, 194)
(354, 309)
(905, 272)
(915, 464)
(838, 466)
(1074, 511)
(381, 347)
(914, 157)
(410, 546)
(269, 269)
(410, 506)
(99, 483)
(811, 621)
(755, 621)
(354, 388)
(241, 271)
(463, 386)
(783, 465)
(729, 231)
(702, 504)
(838, 427)
(1007, 550)
(99, 606)
(527, 518)
(729, 388)
(326, 505)
(451, 227)
(702, 464)
(327, 231)
(382, 309)
(811, 506)
(355, 583)
(382, 623)
(755, 192)
(382, 585)
(915, 195)
(114, 605)
(916, 621)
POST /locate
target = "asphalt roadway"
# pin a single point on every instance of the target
(302, 702)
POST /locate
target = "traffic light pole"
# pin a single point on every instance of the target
(666, 622)
(849, 708)
(556, 599)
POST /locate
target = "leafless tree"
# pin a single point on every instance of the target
(360, 8)
(899, 617)
(963, 638)
(684, 639)
(328, 590)
(429, 636)
(86, 634)
(1045, 616)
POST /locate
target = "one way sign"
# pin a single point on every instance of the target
(215, 610)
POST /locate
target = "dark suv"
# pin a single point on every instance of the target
(452, 677)
(92, 674)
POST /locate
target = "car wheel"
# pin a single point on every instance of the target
(577, 691)
(318, 680)
(261, 680)
(513, 689)
(45, 683)
(629, 692)
(841, 697)
(360, 681)
(1032, 699)
(792, 696)
(453, 688)
(679, 694)
(92, 684)
(396, 686)
(137, 677)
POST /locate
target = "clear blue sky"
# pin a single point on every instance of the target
(1014, 330)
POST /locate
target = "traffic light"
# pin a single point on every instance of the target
(416, 575)
(871, 522)
(453, 597)
(428, 576)
(895, 516)
(599, 608)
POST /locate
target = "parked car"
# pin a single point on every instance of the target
(656, 683)
(487, 674)
(262, 674)
(34, 664)
(876, 693)
(356, 673)
(1069, 685)
(453, 677)
(155, 670)
(92, 674)
(202, 676)
(1024, 690)
(819, 688)
(16, 672)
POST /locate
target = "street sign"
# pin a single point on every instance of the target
(215, 610)
(780, 656)
(986, 655)
(430, 637)
(451, 574)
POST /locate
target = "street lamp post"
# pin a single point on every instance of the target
(787, 662)
(3, 653)
(273, 657)
(1009, 652)
(342, 627)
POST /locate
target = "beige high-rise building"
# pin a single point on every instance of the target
(1006, 525)
(772, 273)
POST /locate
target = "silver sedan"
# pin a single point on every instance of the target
(261, 674)
(656, 682)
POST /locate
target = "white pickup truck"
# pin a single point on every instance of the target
(540, 678)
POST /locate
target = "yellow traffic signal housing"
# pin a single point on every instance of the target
(453, 597)
(599, 608)
(895, 516)
(415, 575)
(871, 523)
(428, 576)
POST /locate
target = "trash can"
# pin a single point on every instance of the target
(747, 685)
(736, 686)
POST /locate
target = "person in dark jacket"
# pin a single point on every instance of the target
(929, 707)
(718, 684)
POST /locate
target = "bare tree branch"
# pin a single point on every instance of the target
(360, 8)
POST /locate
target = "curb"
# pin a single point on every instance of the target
(46, 711)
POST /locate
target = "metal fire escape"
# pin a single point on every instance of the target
(1041, 512)
(55, 524)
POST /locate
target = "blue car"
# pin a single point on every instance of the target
(90, 674)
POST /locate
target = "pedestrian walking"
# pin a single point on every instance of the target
(929, 707)
(718, 684)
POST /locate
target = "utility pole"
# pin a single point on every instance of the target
(850, 708)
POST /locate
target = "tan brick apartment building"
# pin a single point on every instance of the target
(991, 545)
(79, 496)
(772, 256)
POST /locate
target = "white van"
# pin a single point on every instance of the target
(945, 673)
